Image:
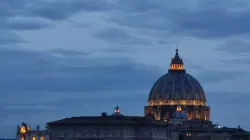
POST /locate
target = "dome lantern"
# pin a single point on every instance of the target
(176, 63)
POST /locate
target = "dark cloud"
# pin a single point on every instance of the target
(7, 38)
(53, 10)
(62, 10)
(39, 14)
(237, 62)
(235, 47)
(139, 6)
(215, 76)
(26, 24)
(119, 35)
(55, 74)
(112, 50)
(14, 16)
(210, 23)
(191, 65)
(68, 53)
(203, 19)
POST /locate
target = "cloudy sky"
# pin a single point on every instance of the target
(62, 58)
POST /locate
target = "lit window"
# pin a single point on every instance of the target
(42, 138)
(178, 108)
(23, 130)
(33, 138)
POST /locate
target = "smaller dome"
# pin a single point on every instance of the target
(179, 114)
(117, 112)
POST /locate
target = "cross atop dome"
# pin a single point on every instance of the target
(176, 50)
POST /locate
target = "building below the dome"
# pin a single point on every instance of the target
(121, 127)
(204, 130)
(177, 88)
(104, 127)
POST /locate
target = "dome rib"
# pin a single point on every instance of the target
(183, 89)
(164, 89)
(192, 86)
(173, 94)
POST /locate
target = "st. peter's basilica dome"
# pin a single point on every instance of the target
(177, 87)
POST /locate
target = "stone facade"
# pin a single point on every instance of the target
(110, 128)
(205, 130)
(164, 112)
(111, 132)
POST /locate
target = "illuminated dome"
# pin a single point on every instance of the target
(177, 87)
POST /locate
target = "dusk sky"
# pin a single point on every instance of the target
(63, 58)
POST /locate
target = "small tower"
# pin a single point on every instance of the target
(117, 109)
(117, 112)
(24, 132)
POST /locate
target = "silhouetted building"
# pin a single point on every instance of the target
(113, 127)
(198, 129)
